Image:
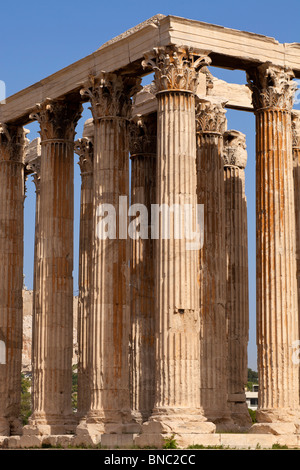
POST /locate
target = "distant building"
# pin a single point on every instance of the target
(252, 397)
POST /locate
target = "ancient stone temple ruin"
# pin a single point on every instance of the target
(163, 317)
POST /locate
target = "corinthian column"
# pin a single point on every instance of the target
(237, 298)
(296, 171)
(277, 305)
(12, 141)
(177, 323)
(110, 97)
(33, 159)
(85, 149)
(142, 299)
(211, 124)
(53, 329)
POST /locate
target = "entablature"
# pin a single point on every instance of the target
(228, 48)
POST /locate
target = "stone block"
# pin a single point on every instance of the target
(3, 441)
(194, 439)
(27, 441)
(155, 434)
(273, 428)
(88, 434)
(113, 441)
(13, 442)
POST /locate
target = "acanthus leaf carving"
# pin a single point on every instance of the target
(272, 87)
(85, 149)
(296, 130)
(210, 116)
(142, 135)
(57, 118)
(175, 67)
(12, 142)
(110, 94)
(234, 149)
(34, 166)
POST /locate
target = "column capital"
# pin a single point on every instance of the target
(272, 87)
(12, 142)
(32, 150)
(234, 150)
(176, 67)
(57, 118)
(142, 135)
(110, 95)
(296, 129)
(210, 117)
(33, 160)
(35, 167)
(85, 149)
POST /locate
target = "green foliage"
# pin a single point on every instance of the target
(26, 405)
(170, 443)
(278, 446)
(201, 446)
(196, 446)
(144, 447)
(74, 386)
(252, 376)
(252, 379)
(252, 414)
(47, 445)
(26, 408)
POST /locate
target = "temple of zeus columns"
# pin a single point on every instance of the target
(163, 305)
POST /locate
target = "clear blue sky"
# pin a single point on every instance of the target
(38, 38)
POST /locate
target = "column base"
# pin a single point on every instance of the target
(88, 433)
(140, 416)
(182, 425)
(222, 420)
(41, 424)
(275, 421)
(10, 427)
(106, 428)
(16, 427)
(4, 427)
(239, 411)
(113, 422)
(242, 421)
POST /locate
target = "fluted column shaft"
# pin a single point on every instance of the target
(110, 316)
(35, 167)
(296, 172)
(237, 279)
(85, 149)
(110, 311)
(177, 319)
(12, 140)
(276, 261)
(54, 311)
(176, 272)
(277, 305)
(142, 280)
(53, 330)
(237, 296)
(211, 124)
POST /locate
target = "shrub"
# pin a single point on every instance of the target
(26, 408)
(252, 414)
(170, 443)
